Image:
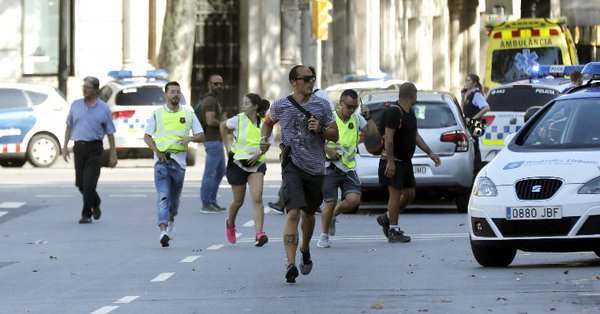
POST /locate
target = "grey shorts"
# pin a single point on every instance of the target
(301, 190)
(335, 178)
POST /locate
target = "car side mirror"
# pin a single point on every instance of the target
(530, 112)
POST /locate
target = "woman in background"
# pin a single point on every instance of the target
(246, 163)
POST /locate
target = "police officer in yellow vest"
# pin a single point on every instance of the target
(246, 164)
(341, 168)
(168, 134)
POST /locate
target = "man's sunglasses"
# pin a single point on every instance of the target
(306, 79)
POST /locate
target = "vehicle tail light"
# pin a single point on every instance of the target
(487, 120)
(460, 138)
(125, 114)
(553, 32)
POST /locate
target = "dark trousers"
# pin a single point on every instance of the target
(88, 156)
(478, 164)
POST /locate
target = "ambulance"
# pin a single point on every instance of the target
(514, 46)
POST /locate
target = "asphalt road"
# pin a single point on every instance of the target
(51, 264)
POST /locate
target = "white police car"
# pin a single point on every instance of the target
(509, 102)
(32, 124)
(542, 192)
(132, 99)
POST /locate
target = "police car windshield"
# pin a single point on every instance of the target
(141, 96)
(511, 65)
(566, 124)
(519, 98)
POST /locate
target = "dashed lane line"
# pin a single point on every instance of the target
(53, 195)
(249, 223)
(372, 238)
(3, 213)
(105, 309)
(129, 195)
(214, 247)
(162, 277)
(190, 259)
(127, 299)
(11, 205)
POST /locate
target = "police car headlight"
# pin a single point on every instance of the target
(592, 187)
(484, 187)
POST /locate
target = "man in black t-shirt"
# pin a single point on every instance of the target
(395, 167)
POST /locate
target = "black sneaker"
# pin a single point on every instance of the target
(384, 222)
(85, 220)
(96, 212)
(164, 239)
(210, 209)
(397, 236)
(306, 264)
(278, 208)
(291, 273)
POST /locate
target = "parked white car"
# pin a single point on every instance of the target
(542, 191)
(32, 124)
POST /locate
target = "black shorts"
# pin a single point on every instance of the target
(238, 176)
(404, 178)
(301, 190)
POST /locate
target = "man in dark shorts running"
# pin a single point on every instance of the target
(401, 137)
(302, 175)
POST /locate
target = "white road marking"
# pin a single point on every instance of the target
(376, 238)
(162, 277)
(249, 223)
(11, 204)
(128, 195)
(105, 309)
(215, 247)
(53, 195)
(127, 299)
(238, 234)
(190, 259)
(3, 213)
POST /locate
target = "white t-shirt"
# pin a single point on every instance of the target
(232, 124)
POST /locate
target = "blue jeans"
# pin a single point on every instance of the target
(214, 170)
(168, 179)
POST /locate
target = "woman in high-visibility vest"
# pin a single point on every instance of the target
(246, 163)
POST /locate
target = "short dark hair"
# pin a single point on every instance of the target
(576, 76)
(171, 83)
(294, 73)
(407, 90)
(349, 93)
(92, 80)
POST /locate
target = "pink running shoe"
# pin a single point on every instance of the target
(230, 232)
(261, 239)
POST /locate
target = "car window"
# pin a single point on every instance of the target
(509, 65)
(105, 93)
(519, 98)
(141, 96)
(12, 98)
(36, 98)
(569, 123)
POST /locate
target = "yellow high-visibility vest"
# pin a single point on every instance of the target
(246, 139)
(170, 128)
(348, 140)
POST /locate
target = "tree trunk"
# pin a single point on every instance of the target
(177, 43)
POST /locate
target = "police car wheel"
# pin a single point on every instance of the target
(43, 150)
(12, 163)
(462, 202)
(597, 251)
(491, 256)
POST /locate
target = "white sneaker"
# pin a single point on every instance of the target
(323, 241)
(164, 239)
(171, 229)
